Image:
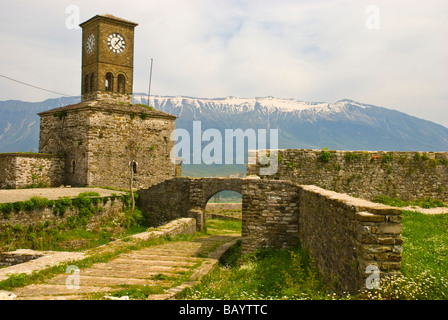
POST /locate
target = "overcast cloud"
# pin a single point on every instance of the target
(308, 50)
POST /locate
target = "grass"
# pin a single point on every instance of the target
(426, 203)
(424, 261)
(425, 243)
(290, 273)
(266, 274)
(223, 226)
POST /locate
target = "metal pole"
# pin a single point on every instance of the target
(150, 78)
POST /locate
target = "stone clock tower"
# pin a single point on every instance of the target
(107, 59)
(106, 140)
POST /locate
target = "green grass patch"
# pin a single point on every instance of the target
(426, 203)
(222, 226)
(424, 261)
(266, 274)
(425, 244)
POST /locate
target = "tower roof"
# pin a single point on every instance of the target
(109, 17)
(111, 107)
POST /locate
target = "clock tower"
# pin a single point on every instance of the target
(107, 59)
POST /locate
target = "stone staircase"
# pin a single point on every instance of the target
(164, 269)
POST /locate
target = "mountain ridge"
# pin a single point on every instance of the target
(342, 125)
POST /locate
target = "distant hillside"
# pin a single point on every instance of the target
(343, 125)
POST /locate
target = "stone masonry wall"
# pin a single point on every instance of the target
(166, 201)
(366, 174)
(270, 214)
(115, 139)
(21, 170)
(7, 171)
(345, 235)
(99, 141)
(67, 133)
(183, 197)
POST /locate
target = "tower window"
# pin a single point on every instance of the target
(92, 82)
(109, 81)
(121, 83)
(86, 83)
(72, 167)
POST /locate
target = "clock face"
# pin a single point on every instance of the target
(116, 43)
(90, 43)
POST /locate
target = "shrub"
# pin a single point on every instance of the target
(325, 155)
(350, 156)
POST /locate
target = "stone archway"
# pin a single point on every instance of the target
(201, 190)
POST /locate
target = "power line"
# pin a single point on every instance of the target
(30, 85)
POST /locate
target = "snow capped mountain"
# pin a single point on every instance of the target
(233, 104)
(342, 125)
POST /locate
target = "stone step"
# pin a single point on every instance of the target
(147, 262)
(158, 257)
(135, 274)
(138, 267)
(88, 280)
(56, 289)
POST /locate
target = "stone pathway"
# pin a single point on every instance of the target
(167, 268)
(14, 195)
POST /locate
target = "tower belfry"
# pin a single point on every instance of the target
(107, 59)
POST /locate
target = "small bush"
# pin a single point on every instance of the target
(350, 156)
(325, 155)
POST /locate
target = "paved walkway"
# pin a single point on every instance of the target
(167, 268)
(14, 195)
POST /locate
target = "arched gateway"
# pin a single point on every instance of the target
(341, 231)
(267, 214)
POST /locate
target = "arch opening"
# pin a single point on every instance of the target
(223, 211)
(86, 84)
(109, 81)
(73, 167)
(92, 82)
(121, 83)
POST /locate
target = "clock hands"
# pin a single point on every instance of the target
(116, 43)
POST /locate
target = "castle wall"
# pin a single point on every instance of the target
(22, 170)
(345, 235)
(366, 174)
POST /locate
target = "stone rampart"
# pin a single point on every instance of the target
(365, 174)
(22, 170)
(345, 235)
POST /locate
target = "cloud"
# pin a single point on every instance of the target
(309, 50)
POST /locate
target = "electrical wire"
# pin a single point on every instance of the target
(36, 87)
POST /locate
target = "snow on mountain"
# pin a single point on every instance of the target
(342, 125)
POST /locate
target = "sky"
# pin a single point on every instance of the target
(388, 53)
